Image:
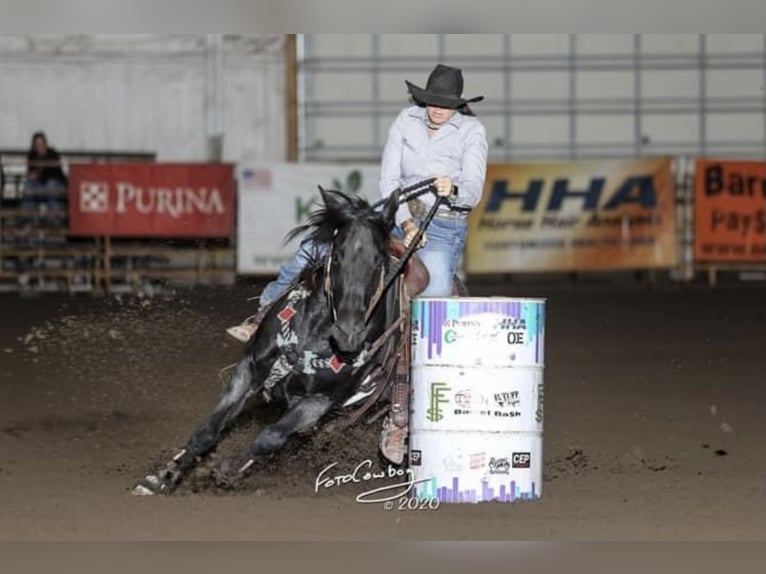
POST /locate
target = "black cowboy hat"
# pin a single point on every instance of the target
(444, 89)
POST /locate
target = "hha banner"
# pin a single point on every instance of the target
(574, 216)
(152, 200)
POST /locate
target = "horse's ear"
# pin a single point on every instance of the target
(330, 198)
(323, 193)
(390, 208)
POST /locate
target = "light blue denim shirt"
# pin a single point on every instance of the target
(458, 150)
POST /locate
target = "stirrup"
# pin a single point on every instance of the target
(400, 400)
(252, 318)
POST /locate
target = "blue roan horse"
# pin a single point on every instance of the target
(313, 347)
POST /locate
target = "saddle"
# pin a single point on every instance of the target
(415, 273)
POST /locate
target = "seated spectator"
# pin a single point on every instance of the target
(46, 182)
(3, 201)
(44, 162)
(45, 189)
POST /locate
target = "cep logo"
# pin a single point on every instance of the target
(520, 460)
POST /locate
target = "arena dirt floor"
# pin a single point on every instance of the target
(654, 423)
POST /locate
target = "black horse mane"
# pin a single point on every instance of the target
(339, 210)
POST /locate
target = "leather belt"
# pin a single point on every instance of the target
(419, 209)
(452, 214)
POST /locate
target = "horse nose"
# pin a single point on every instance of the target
(347, 342)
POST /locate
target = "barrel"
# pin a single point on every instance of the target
(476, 414)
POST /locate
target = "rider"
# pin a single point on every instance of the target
(437, 136)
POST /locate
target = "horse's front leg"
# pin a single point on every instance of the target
(207, 435)
(301, 416)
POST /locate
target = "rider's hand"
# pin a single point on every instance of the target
(443, 186)
(410, 229)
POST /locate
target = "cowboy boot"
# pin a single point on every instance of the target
(392, 442)
(395, 427)
(245, 330)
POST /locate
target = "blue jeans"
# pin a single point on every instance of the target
(291, 269)
(51, 194)
(444, 246)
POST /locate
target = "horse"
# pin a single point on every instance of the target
(317, 342)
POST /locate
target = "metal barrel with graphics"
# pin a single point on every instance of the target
(476, 420)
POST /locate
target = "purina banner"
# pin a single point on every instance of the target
(730, 211)
(151, 200)
(574, 216)
(274, 198)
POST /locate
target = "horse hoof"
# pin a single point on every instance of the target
(164, 482)
(141, 490)
(150, 486)
(168, 477)
(230, 470)
(223, 479)
(153, 481)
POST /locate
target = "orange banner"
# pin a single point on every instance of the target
(730, 211)
(574, 216)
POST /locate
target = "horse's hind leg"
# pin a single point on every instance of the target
(207, 435)
(301, 416)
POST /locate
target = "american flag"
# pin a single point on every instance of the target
(256, 179)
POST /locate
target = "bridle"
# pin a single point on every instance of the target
(328, 286)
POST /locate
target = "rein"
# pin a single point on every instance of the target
(328, 288)
(328, 282)
(404, 259)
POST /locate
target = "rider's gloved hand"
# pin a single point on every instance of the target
(443, 186)
(410, 229)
